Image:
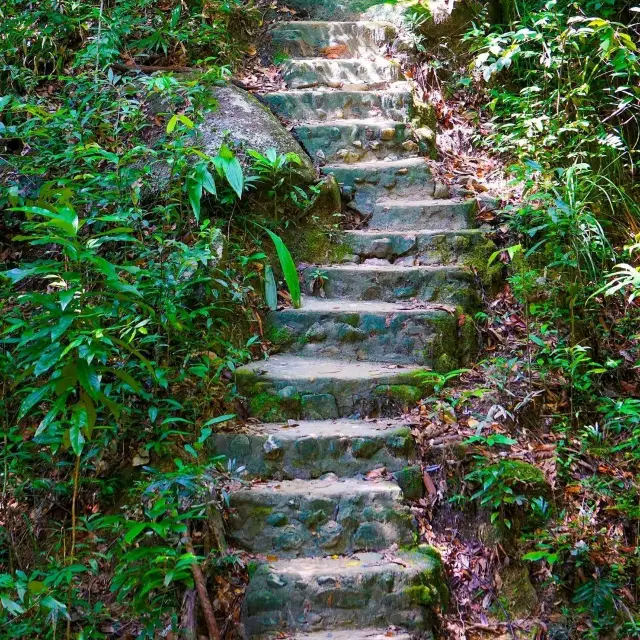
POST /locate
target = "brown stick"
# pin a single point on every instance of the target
(203, 596)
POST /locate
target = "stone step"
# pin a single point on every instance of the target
(289, 386)
(415, 248)
(306, 518)
(351, 141)
(313, 72)
(315, 39)
(309, 449)
(367, 182)
(375, 331)
(393, 103)
(363, 590)
(333, 9)
(355, 634)
(391, 283)
(416, 214)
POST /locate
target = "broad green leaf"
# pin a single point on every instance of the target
(78, 424)
(128, 379)
(32, 399)
(230, 168)
(35, 586)
(47, 360)
(135, 529)
(270, 288)
(219, 419)
(171, 125)
(58, 330)
(9, 605)
(199, 179)
(63, 218)
(88, 376)
(288, 269)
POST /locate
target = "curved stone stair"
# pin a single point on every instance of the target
(331, 460)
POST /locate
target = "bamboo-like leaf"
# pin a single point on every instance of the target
(270, 288)
(288, 268)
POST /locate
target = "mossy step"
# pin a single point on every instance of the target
(309, 449)
(393, 103)
(375, 331)
(422, 213)
(311, 39)
(363, 590)
(333, 9)
(425, 247)
(289, 386)
(306, 518)
(353, 141)
(367, 182)
(356, 634)
(311, 72)
(391, 283)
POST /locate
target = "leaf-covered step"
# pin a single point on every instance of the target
(352, 141)
(312, 39)
(393, 103)
(420, 212)
(391, 283)
(305, 518)
(309, 449)
(363, 590)
(289, 386)
(312, 72)
(424, 247)
(375, 331)
(365, 183)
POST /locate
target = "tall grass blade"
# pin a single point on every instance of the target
(288, 268)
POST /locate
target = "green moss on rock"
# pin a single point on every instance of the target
(272, 408)
(281, 337)
(411, 482)
(405, 394)
(478, 259)
(522, 473)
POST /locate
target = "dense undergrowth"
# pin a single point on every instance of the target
(125, 306)
(132, 286)
(561, 86)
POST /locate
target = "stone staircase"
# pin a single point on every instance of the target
(341, 548)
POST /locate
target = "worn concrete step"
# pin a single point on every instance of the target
(375, 331)
(309, 449)
(422, 213)
(313, 72)
(289, 386)
(367, 182)
(355, 634)
(316, 39)
(393, 103)
(306, 518)
(391, 283)
(352, 141)
(415, 248)
(363, 590)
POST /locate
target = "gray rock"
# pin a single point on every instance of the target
(242, 118)
(319, 406)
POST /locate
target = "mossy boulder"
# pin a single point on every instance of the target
(516, 594)
(245, 123)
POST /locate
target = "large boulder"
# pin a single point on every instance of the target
(241, 120)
